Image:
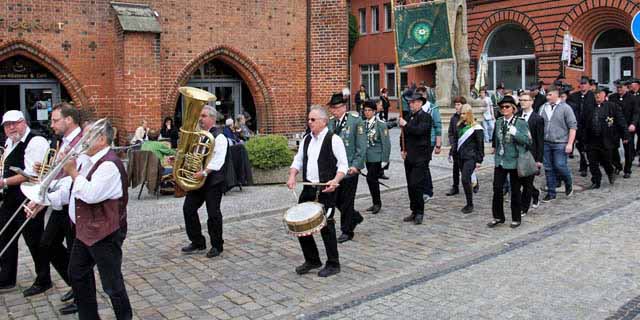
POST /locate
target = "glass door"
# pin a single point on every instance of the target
(228, 99)
(36, 102)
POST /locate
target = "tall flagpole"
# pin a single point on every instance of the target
(397, 67)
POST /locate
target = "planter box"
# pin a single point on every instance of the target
(274, 176)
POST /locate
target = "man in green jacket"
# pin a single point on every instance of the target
(378, 150)
(349, 127)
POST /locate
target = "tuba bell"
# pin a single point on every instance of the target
(195, 148)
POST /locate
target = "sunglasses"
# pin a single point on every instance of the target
(504, 106)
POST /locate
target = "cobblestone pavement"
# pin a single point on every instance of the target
(575, 258)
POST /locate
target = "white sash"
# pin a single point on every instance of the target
(468, 134)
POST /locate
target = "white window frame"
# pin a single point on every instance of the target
(523, 76)
(375, 19)
(370, 73)
(387, 85)
(388, 17)
(362, 15)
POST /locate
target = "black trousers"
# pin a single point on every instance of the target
(51, 248)
(584, 164)
(415, 174)
(599, 156)
(629, 154)
(467, 167)
(31, 234)
(212, 196)
(308, 244)
(107, 255)
(346, 195)
(456, 171)
(374, 170)
(385, 114)
(497, 207)
(616, 162)
(529, 192)
(428, 182)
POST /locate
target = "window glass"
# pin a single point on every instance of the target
(614, 38)
(510, 40)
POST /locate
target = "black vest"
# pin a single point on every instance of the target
(217, 176)
(13, 195)
(327, 161)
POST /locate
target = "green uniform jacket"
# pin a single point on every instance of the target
(513, 145)
(353, 137)
(378, 143)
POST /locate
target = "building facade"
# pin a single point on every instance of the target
(519, 41)
(125, 61)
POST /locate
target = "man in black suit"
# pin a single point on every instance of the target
(415, 152)
(580, 101)
(631, 111)
(539, 99)
(536, 129)
(602, 125)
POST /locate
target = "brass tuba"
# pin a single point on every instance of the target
(195, 149)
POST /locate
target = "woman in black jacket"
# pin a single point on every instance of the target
(470, 151)
(169, 131)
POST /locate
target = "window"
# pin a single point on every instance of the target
(404, 79)
(387, 17)
(390, 79)
(604, 70)
(614, 38)
(375, 25)
(626, 68)
(370, 79)
(363, 20)
(511, 58)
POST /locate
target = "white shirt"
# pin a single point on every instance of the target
(548, 110)
(104, 185)
(33, 153)
(219, 153)
(313, 174)
(427, 107)
(526, 115)
(66, 140)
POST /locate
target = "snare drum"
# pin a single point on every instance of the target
(305, 219)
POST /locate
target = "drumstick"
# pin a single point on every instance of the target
(318, 184)
(295, 195)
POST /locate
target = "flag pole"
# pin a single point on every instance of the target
(397, 67)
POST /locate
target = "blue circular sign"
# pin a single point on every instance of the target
(635, 27)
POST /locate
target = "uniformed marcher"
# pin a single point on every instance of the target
(579, 101)
(350, 127)
(635, 92)
(631, 111)
(378, 150)
(415, 153)
(601, 125)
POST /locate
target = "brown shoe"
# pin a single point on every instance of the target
(410, 218)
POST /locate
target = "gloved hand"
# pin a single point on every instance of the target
(513, 130)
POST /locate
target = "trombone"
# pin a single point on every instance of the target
(37, 192)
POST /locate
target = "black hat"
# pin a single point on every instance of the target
(619, 83)
(558, 83)
(566, 89)
(371, 103)
(508, 100)
(416, 96)
(635, 80)
(336, 98)
(593, 82)
(584, 80)
(500, 86)
(603, 89)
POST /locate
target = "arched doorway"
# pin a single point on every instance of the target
(510, 54)
(232, 93)
(30, 87)
(613, 57)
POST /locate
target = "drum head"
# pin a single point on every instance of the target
(302, 212)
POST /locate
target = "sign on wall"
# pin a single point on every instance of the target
(576, 59)
(635, 27)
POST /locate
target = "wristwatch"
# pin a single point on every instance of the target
(204, 173)
(4, 184)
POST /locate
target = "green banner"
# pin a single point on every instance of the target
(422, 34)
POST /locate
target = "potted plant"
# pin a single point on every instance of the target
(270, 158)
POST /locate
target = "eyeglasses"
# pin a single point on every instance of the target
(504, 106)
(523, 100)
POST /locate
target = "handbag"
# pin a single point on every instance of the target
(526, 164)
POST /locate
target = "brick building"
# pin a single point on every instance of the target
(521, 40)
(126, 61)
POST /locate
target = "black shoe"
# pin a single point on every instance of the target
(626, 176)
(568, 190)
(612, 178)
(376, 209)
(476, 188)
(419, 218)
(359, 218)
(306, 267)
(328, 271)
(515, 224)
(192, 248)
(69, 309)
(535, 203)
(467, 209)
(453, 191)
(67, 296)
(494, 223)
(7, 287)
(524, 213)
(594, 186)
(583, 173)
(548, 198)
(617, 171)
(369, 209)
(344, 238)
(409, 218)
(36, 289)
(214, 252)
(383, 177)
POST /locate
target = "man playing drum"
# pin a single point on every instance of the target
(322, 158)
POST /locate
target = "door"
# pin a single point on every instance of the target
(36, 102)
(610, 65)
(228, 95)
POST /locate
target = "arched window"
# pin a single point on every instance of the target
(613, 57)
(614, 38)
(510, 53)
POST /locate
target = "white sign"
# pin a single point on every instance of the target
(566, 47)
(626, 73)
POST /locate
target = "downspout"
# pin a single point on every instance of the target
(308, 54)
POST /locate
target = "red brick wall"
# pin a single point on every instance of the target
(135, 76)
(546, 21)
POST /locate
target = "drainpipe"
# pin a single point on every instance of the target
(308, 55)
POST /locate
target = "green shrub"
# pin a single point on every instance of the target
(269, 152)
